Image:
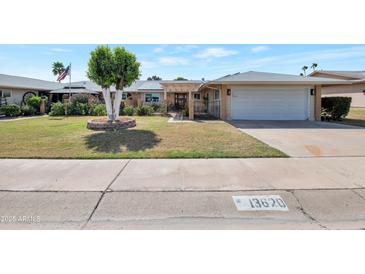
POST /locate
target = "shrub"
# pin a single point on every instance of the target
(163, 108)
(336, 107)
(185, 112)
(155, 107)
(28, 110)
(34, 102)
(57, 109)
(97, 110)
(11, 110)
(80, 98)
(77, 108)
(144, 110)
(129, 110)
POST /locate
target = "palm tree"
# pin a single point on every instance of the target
(314, 66)
(304, 68)
(57, 68)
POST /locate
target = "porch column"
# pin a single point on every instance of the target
(165, 94)
(223, 103)
(139, 99)
(191, 106)
(318, 103)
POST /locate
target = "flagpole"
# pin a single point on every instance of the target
(69, 86)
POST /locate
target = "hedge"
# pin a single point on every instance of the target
(336, 108)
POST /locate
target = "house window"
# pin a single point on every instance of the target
(197, 96)
(5, 93)
(126, 96)
(216, 94)
(151, 98)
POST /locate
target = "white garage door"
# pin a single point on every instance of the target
(270, 104)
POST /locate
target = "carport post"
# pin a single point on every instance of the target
(318, 103)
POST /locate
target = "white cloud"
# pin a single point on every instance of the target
(167, 60)
(60, 50)
(259, 49)
(158, 50)
(215, 53)
(184, 48)
(148, 64)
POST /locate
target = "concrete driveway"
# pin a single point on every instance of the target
(307, 138)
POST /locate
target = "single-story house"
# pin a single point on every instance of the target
(249, 96)
(356, 90)
(241, 96)
(15, 89)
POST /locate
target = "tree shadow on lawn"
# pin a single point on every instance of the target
(115, 141)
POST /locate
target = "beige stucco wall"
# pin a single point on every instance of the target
(324, 75)
(16, 94)
(355, 91)
(138, 98)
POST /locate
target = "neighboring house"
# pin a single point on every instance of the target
(248, 96)
(356, 90)
(15, 89)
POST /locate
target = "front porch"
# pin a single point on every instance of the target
(187, 98)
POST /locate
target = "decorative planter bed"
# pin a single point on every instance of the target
(104, 124)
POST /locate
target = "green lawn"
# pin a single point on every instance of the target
(154, 137)
(356, 117)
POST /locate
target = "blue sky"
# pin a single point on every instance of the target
(189, 61)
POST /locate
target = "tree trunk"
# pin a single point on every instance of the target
(108, 104)
(117, 101)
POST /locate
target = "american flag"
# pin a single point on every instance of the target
(63, 75)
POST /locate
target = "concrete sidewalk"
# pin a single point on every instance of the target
(321, 193)
(183, 174)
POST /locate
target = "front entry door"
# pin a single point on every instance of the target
(180, 100)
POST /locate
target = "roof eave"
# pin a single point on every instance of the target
(26, 87)
(279, 82)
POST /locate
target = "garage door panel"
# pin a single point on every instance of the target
(269, 104)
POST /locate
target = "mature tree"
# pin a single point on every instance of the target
(304, 68)
(180, 79)
(154, 78)
(125, 72)
(57, 68)
(314, 66)
(100, 70)
(301, 74)
(108, 67)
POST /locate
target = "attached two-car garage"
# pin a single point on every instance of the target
(280, 103)
(254, 95)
